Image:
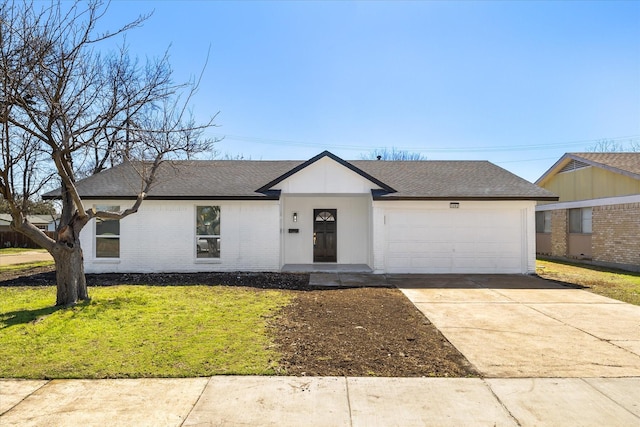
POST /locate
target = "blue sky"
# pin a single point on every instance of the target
(515, 83)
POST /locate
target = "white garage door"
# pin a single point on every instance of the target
(454, 241)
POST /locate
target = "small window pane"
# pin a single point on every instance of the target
(107, 247)
(325, 216)
(208, 220)
(575, 221)
(208, 247)
(547, 221)
(539, 222)
(107, 227)
(586, 220)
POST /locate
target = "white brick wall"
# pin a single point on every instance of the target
(160, 237)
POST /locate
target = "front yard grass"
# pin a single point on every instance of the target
(14, 251)
(138, 331)
(617, 284)
(25, 266)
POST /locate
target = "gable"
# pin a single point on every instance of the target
(591, 183)
(326, 176)
(584, 176)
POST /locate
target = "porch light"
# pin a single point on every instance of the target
(295, 217)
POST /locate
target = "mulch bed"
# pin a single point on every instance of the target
(324, 331)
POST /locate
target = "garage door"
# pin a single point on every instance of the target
(454, 241)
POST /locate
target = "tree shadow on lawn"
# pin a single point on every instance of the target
(21, 317)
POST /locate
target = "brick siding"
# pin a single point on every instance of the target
(616, 233)
(559, 232)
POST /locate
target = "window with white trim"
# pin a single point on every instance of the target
(580, 220)
(208, 231)
(107, 234)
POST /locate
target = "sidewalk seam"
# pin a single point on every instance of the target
(196, 402)
(500, 402)
(577, 328)
(585, 380)
(346, 383)
(25, 398)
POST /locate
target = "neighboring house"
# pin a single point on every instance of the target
(597, 217)
(40, 221)
(11, 238)
(380, 216)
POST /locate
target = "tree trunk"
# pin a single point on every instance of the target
(70, 279)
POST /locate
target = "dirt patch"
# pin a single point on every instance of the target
(363, 332)
(324, 332)
(35, 276)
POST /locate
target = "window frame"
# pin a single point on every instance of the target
(580, 221)
(214, 237)
(112, 236)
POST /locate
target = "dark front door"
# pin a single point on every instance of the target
(324, 235)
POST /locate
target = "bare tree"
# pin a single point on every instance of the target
(392, 154)
(615, 146)
(68, 110)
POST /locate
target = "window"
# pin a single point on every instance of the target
(543, 222)
(208, 231)
(325, 216)
(580, 220)
(107, 234)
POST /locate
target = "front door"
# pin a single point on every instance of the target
(324, 235)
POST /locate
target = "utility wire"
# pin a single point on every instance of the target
(441, 149)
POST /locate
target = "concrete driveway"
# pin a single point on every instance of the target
(24, 257)
(526, 327)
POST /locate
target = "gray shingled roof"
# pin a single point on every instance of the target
(222, 179)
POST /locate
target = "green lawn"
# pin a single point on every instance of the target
(25, 266)
(138, 331)
(617, 284)
(13, 251)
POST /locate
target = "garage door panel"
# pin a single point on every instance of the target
(482, 241)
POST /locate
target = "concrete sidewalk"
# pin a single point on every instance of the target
(326, 401)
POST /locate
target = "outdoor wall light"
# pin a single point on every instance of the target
(295, 217)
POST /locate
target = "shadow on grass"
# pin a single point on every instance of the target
(588, 266)
(21, 317)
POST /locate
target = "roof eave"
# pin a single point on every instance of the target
(271, 196)
(465, 198)
(553, 169)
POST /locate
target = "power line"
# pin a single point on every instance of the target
(441, 149)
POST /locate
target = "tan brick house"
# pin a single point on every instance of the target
(597, 216)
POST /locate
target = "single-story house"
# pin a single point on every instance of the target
(597, 216)
(379, 216)
(43, 222)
